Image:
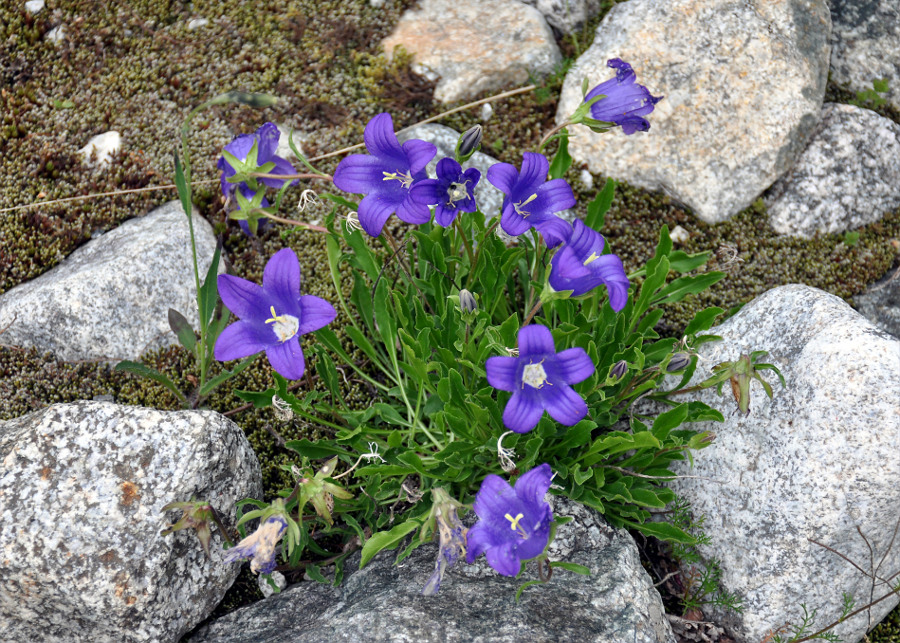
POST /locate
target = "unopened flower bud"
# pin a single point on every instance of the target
(468, 143)
(679, 362)
(467, 302)
(619, 369)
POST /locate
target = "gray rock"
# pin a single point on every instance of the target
(474, 46)
(109, 299)
(816, 462)
(567, 16)
(864, 44)
(848, 176)
(383, 601)
(743, 85)
(81, 492)
(880, 304)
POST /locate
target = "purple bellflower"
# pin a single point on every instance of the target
(531, 200)
(385, 176)
(581, 266)
(626, 102)
(540, 379)
(514, 524)
(272, 316)
(260, 546)
(266, 138)
(452, 192)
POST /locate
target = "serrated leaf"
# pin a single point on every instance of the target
(663, 531)
(259, 400)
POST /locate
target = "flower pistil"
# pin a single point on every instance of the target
(535, 376)
(521, 204)
(404, 178)
(285, 326)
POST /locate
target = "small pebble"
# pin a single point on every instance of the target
(679, 235)
(34, 6)
(486, 112)
(266, 588)
(106, 145)
(196, 23)
(588, 179)
(57, 34)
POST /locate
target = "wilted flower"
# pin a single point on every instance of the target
(321, 493)
(385, 175)
(260, 546)
(514, 524)
(452, 192)
(580, 266)
(531, 200)
(626, 102)
(272, 316)
(451, 536)
(540, 379)
(197, 515)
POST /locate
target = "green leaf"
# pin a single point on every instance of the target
(314, 451)
(680, 261)
(684, 286)
(663, 531)
(669, 420)
(260, 400)
(597, 209)
(182, 329)
(209, 291)
(137, 368)
(222, 377)
(525, 585)
(572, 567)
(387, 327)
(386, 540)
(562, 161)
(703, 320)
(184, 190)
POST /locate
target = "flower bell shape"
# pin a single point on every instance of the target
(272, 316)
(514, 524)
(385, 176)
(626, 102)
(540, 379)
(531, 199)
(452, 192)
(266, 139)
(260, 546)
(581, 266)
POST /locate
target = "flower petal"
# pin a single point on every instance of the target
(374, 211)
(282, 166)
(281, 277)
(413, 212)
(478, 539)
(513, 223)
(268, 136)
(523, 411)
(563, 404)
(315, 313)
(574, 365)
(426, 192)
(244, 298)
(382, 142)
(553, 196)
(501, 372)
(360, 174)
(419, 154)
(503, 176)
(494, 499)
(242, 339)
(503, 559)
(535, 339)
(609, 268)
(532, 486)
(554, 230)
(444, 216)
(533, 174)
(448, 169)
(240, 147)
(287, 358)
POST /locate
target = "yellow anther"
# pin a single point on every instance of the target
(514, 524)
(521, 204)
(405, 179)
(593, 257)
(274, 319)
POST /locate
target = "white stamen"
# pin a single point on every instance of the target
(534, 375)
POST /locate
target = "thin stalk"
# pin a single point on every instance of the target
(550, 133)
(533, 312)
(465, 240)
(290, 177)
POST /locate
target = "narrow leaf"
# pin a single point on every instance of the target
(145, 371)
(597, 209)
(182, 329)
(386, 540)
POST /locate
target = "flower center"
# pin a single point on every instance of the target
(285, 326)
(514, 524)
(535, 376)
(405, 179)
(593, 257)
(521, 204)
(457, 192)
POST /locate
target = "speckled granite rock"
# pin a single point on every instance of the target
(566, 15)
(743, 85)
(817, 461)
(880, 304)
(109, 299)
(864, 44)
(81, 490)
(475, 46)
(848, 176)
(383, 602)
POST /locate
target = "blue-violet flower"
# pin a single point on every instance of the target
(260, 546)
(540, 379)
(581, 266)
(272, 316)
(385, 176)
(266, 138)
(626, 102)
(531, 200)
(451, 192)
(514, 524)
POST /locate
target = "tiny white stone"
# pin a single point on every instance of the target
(264, 586)
(284, 148)
(679, 235)
(587, 179)
(486, 112)
(57, 33)
(105, 144)
(376, 3)
(34, 6)
(196, 23)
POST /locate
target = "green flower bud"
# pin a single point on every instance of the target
(468, 143)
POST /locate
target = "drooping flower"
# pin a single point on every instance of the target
(540, 379)
(272, 316)
(260, 546)
(451, 536)
(514, 524)
(266, 139)
(581, 266)
(385, 176)
(626, 102)
(531, 200)
(197, 515)
(452, 192)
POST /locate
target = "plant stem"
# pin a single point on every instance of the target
(531, 314)
(465, 239)
(290, 177)
(551, 133)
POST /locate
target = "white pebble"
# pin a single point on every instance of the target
(587, 179)
(33, 6)
(57, 34)
(486, 112)
(679, 235)
(105, 144)
(196, 23)
(266, 588)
